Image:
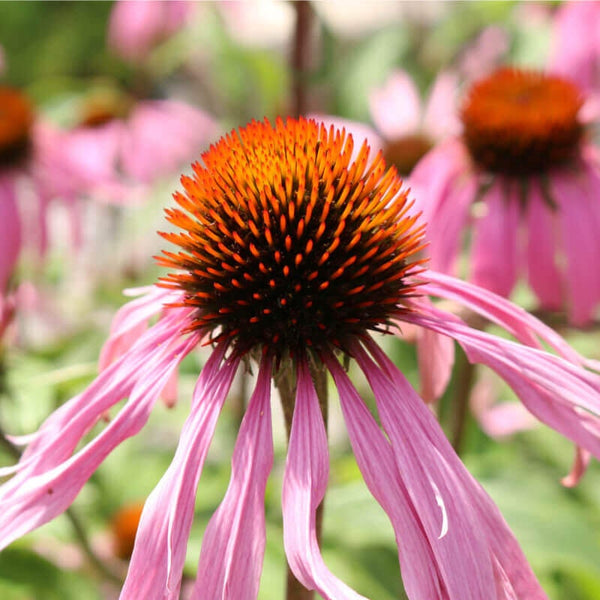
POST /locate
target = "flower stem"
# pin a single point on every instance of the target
(286, 384)
(463, 382)
(301, 56)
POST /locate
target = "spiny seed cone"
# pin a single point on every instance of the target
(289, 245)
(522, 122)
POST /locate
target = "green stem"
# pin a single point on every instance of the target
(463, 383)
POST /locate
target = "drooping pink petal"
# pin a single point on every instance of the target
(413, 428)
(234, 541)
(10, 234)
(445, 196)
(580, 465)
(161, 542)
(304, 485)
(375, 459)
(495, 252)
(558, 393)
(27, 503)
(435, 356)
(396, 106)
(579, 220)
(542, 249)
(130, 321)
(63, 429)
(423, 457)
(524, 326)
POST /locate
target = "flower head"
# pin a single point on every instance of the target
(286, 204)
(287, 245)
(523, 161)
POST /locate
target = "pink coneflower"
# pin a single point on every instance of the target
(137, 27)
(576, 43)
(291, 254)
(120, 142)
(525, 178)
(32, 172)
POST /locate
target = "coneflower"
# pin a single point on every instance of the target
(291, 255)
(526, 177)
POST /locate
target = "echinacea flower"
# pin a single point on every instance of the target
(33, 171)
(137, 27)
(575, 51)
(291, 254)
(525, 179)
(120, 142)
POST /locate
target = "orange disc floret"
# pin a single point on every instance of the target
(522, 122)
(124, 526)
(16, 120)
(288, 243)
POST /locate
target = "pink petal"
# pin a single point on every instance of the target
(525, 327)
(435, 356)
(558, 393)
(396, 106)
(161, 542)
(579, 219)
(543, 274)
(130, 321)
(580, 465)
(375, 459)
(304, 484)
(424, 456)
(135, 27)
(27, 503)
(498, 419)
(424, 459)
(162, 135)
(10, 235)
(441, 114)
(444, 190)
(494, 252)
(63, 429)
(234, 541)
(576, 52)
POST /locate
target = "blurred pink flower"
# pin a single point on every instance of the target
(575, 49)
(112, 152)
(291, 271)
(405, 129)
(525, 178)
(33, 172)
(137, 26)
